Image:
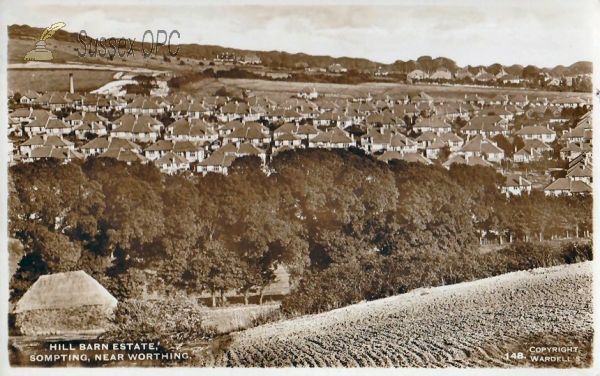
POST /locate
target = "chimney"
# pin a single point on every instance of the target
(71, 84)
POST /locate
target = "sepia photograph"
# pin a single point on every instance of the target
(331, 185)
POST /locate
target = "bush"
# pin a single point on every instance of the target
(127, 285)
(266, 317)
(170, 323)
(577, 252)
(350, 283)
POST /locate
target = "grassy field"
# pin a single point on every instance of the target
(21, 80)
(228, 319)
(281, 88)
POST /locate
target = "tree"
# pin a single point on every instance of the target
(517, 143)
(222, 92)
(504, 144)
(531, 72)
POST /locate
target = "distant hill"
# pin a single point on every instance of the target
(288, 60)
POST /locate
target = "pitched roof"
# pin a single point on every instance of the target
(478, 161)
(55, 152)
(97, 143)
(123, 155)
(333, 136)
(35, 140)
(580, 172)
(389, 155)
(514, 180)
(135, 124)
(456, 159)
(218, 159)
(482, 145)
(144, 103)
(561, 184)
(171, 158)
(307, 129)
(54, 123)
(534, 130)
(249, 149)
(161, 145)
(63, 291)
(434, 123)
(414, 157)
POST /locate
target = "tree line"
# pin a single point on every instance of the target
(332, 218)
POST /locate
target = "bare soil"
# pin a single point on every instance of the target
(473, 324)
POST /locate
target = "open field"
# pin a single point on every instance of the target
(22, 80)
(466, 325)
(228, 319)
(274, 88)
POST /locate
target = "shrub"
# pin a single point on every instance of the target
(266, 317)
(577, 252)
(170, 323)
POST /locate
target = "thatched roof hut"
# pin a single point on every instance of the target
(65, 302)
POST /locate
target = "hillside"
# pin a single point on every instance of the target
(287, 60)
(465, 325)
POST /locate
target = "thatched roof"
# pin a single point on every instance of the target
(65, 290)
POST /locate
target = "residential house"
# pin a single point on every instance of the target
(433, 124)
(569, 102)
(425, 140)
(498, 100)
(65, 155)
(29, 97)
(144, 105)
(519, 100)
(191, 129)
(464, 73)
(533, 132)
(533, 150)
(568, 187)
(480, 146)
(288, 139)
(101, 145)
(417, 74)
(516, 185)
(251, 132)
(484, 76)
(56, 127)
(307, 132)
(228, 128)
(187, 150)
(171, 163)
(334, 138)
(333, 119)
(337, 68)
(511, 79)
(489, 126)
(441, 74)
(137, 128)
(124, 155)
(37, 122)
(308, 93)
(218, 162)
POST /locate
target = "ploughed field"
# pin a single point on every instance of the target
(471, 324)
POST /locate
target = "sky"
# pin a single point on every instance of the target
(540, 32)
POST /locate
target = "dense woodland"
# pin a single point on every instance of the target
(346, 226)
